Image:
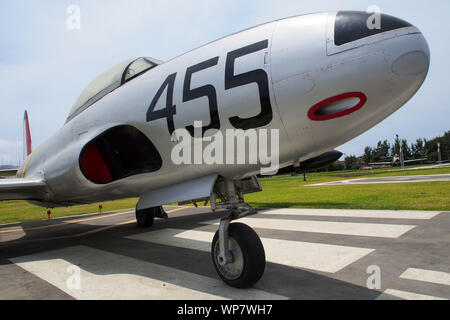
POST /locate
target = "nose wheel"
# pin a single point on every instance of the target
(242, 261)
(237, 251)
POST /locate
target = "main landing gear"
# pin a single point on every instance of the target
(145, 217)
(237, 252)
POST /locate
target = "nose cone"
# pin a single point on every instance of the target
(408, 57)
(405, 50)
(380, 57)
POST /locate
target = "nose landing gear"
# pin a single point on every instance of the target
(237, 251)
(242, 261)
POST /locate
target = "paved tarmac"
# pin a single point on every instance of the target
(397, 179)
(311, 254)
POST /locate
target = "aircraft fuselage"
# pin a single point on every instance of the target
(293, 75)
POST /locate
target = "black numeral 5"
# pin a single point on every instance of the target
(259, 76)
(204, 91)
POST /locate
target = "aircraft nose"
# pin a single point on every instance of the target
(407, 56)
(378, 67)
(355, 25)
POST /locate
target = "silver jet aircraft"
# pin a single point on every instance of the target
(319, 80)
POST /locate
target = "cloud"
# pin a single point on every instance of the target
(9, 151)
(45, 66)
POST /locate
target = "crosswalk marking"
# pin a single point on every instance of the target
(390, 293)
(427, 276)
(344, 228)
(106, 275)
(380, 180)
(189, 239)
(314, 256)
(380, 214)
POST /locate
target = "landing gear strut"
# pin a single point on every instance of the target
(145, 217)
(237, 252)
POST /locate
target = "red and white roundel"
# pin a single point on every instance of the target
(331, 108)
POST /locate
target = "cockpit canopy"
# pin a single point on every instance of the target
(111, 80)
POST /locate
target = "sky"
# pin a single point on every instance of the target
(44, 65)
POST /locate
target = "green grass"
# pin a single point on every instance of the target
(285, 191)
(291, 192)
(7, 174)
(17, 211)
(387, 172)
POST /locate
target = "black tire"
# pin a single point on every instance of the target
(159, 212)
(252, 251)
(145, 217)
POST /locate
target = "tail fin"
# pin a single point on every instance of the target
(26, 136)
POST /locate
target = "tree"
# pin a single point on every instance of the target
(368, 151)
(431, 147)
(395, 151)
(381, 151)
(351, 162)
(418, 149)
(377, 154)
(406, 150)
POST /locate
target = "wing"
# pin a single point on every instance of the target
(22, 188)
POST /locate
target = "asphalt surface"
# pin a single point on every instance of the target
(397, 179)
(311, 254)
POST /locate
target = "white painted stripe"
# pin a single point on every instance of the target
(13, 229)
(314, 256)
(380, 214)
(189, 239)
(345, 228)
(384, 180)
(106, 275)
(390, 293)
(438, 277)
(7, 235)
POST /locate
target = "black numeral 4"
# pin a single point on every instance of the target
(170, 109)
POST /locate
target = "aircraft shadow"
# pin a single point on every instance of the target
(278, 279)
